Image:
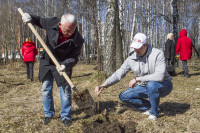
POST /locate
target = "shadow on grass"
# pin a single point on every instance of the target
(194, 74)
(171, 109)
(85, 75)
(14, 84)
(180, 73)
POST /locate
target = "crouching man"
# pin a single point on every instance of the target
(151, 78)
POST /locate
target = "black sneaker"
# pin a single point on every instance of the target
(47, 120)
(67, 122)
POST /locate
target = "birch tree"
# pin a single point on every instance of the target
(119, 54)
(175, 19)
(110, 40)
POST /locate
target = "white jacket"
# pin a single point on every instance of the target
(150, 67)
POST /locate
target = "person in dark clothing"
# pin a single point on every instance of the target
(65, 42)
(170, 49)
(169, 53)
(184, 47)
(29, 53)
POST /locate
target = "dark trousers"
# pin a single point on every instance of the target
(185, 67)
(169, 62)
(29, 69)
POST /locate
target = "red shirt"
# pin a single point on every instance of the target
(62, 37)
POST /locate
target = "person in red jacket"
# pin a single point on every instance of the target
(184, 47)
(29, 52)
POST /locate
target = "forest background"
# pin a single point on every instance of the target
(106, 25)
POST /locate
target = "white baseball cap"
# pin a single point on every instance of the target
(138, 40)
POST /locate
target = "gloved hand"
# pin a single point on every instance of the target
(177, 56)
(26, 18)
(61, 69)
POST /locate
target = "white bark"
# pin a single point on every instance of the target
(110, 40)
(199, 33)
(134, 19)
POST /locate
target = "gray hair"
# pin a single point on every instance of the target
(169, 35)
(68, 18)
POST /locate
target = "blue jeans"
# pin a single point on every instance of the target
(47, 98)
(153, 90)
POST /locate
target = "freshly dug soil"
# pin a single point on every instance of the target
(100, 126)
(85, 102)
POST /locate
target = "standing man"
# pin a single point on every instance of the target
(184, 47)
(65, 43)
(151, 78)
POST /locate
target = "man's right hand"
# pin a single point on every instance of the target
(26, 18)
(99, 89)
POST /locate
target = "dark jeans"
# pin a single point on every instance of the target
(185, 67)
(29, 69)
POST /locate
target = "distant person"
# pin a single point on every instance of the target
(65, 42)
(170, 49)
(184, 47)
(151, 78)
(29, 53)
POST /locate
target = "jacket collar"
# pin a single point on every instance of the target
(77, 38)
(134, 56)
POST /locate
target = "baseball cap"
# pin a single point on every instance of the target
(138, 40)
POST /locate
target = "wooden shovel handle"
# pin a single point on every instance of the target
(48, 52)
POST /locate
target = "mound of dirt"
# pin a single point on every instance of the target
(100, 126)
(85, 102)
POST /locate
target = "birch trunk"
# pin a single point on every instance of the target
(199, 32)
(119, 54)
(175, 19)
(110, 40)
(134, 19)
(98, 35)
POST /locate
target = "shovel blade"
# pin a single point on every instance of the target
(85, 102)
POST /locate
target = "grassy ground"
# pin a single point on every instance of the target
(21, 103)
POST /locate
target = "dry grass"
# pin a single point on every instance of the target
(21, 102)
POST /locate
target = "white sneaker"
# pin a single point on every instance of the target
(146, 112)
(152, 117)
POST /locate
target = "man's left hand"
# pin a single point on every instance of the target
(132, 83)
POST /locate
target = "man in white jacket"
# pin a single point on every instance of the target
(151, 78)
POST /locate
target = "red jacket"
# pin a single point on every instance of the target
(29, 51)
(184, 46)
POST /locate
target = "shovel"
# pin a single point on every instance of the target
(82, 98)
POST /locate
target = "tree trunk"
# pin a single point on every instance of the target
(119, 53)
(199, 32)
(175, 19)
(134, 19)
(110, 40)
